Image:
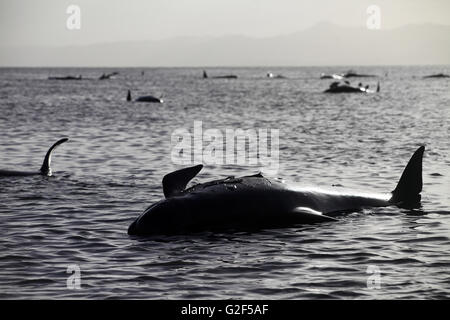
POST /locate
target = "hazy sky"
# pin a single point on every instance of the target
(34, 22)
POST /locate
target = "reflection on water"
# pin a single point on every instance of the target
(111, 170)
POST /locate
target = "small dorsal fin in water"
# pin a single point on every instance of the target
(45, 169)
(129, 95)
(409, 187)
(175, 182)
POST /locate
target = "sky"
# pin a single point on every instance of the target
(43, 22)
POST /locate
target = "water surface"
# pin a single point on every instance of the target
(111, 170)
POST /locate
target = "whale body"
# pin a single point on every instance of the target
(66, 78)
(150, 99)
(345, 89)
(438, 75)
(228, 76)
(331, 76)
(45, 168)
(352, 74)
(258, 202)
(349, 74)
(336, 87)
(275, 76)
(107, 76)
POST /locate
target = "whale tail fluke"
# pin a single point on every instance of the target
(407, 192)
(129, 95)
(45, 169)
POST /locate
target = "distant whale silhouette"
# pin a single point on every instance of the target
(336, 87)
(273, 76)
(107, 76)
(150, 99)
(331, 76)
(229, 76)
(352, 74)
(438, 75)
(45, 168)
(66, 78)
(258, 202)
(349, 74)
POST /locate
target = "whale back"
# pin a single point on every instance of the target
(250, 202)
(149, 99)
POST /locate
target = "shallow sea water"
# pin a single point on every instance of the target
(111, 170)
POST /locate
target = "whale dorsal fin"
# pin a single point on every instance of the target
(407, 192)
(45, 169)
(175, 182)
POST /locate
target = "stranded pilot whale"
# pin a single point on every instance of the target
(258, 202)
(45, 168)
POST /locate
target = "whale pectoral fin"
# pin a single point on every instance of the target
(175, 182)
(311, 215)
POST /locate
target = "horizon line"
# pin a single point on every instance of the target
(227, 66)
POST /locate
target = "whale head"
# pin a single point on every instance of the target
(163, 217)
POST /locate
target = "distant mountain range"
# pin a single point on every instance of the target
(323, 44)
